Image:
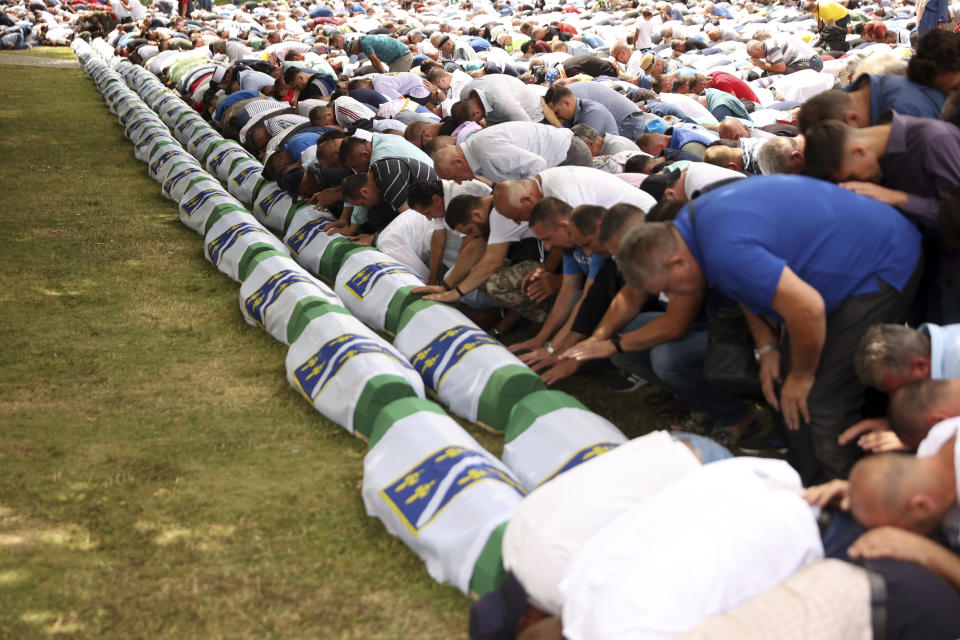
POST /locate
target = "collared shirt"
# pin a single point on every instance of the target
(388, 145)
(399, 85)
(922, 158)
(742, 243)
(619, 106)
(505, 99)
(516, 150)
(944, 350)
(387, 49)
(612, 145)
(751, 154)
(394, 177)
(254, 80)
(787, 49)
(584, 185)
(828, 10)
(732, 84)
(595, 115)
(897, 93)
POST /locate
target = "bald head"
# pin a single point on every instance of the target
(515, 199)
(732, 129)
(900, 490)
(451, 164)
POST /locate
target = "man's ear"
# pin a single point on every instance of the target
(476, 215)
(920, 504)
(854, 119)
(920, 367)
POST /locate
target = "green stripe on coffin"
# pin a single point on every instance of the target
(488, 572)
(535, 406)
(400, 302)
(398, 410)
(305, 311)
(291, 214)
(254, 255)
(377, 394)
(413, 309)
(333, 257)
(506, 387)
(217, 213)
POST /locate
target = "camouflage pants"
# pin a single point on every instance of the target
(504, 286)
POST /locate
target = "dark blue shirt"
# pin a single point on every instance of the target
(225, 102)
(369, 97)
(835, 240)
(901, 95)
(681, 137)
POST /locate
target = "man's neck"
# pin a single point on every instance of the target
(861, 102)
(875, 138)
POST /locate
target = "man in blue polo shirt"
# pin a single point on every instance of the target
(575, 110)
(824, 263)
(868, 99)
(678, 138)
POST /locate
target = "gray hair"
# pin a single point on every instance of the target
(910, 406)
(888, 348)
(774, 154)
(585, 132)
(643, 251)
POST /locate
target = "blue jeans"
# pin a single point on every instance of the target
(663, 110)
(678, 367)
(13, 40)
(631, 127)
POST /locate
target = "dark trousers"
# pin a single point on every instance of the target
(837, 398)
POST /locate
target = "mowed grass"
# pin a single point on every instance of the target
(158, 476)
(57, 53)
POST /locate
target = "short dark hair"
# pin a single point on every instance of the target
(665, 210)
(616, 219)
(359, 83)
(829, 105)
(347, 148)
(421, 192)
(549, 209)
(458, 211)
(428, 65)
(460, 111)
(333, 134)
(825, 150)
(639, 164)
(556, 93)
(352, 185)
(586, 217)
(291, 74)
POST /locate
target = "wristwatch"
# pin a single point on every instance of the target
(758, 353)
(616, 344)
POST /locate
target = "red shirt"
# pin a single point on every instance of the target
(732, 84)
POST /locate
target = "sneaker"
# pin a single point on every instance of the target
(626, 383)
(761, 443)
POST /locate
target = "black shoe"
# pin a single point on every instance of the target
(625, 383)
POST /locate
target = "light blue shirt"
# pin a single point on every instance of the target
(944, 350)
(389, 145)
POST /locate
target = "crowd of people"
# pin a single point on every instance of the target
(754, 207)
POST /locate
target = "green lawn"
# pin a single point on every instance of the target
(158, 476)
(58, 53)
